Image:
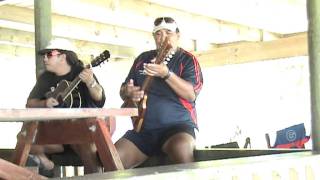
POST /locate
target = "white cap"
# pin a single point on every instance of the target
(59, 44)
(163, 25)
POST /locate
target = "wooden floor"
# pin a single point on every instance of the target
(286, 166)
(220, 153)
(201, 155)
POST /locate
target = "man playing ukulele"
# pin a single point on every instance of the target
(169, 115)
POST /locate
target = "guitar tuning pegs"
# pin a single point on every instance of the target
(165, 62)
(170, 55)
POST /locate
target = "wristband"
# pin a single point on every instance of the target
(168, 75)
(93, 84)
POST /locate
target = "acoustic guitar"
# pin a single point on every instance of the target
(137, 121)
(65, 91)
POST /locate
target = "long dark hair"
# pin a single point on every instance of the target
(72, 59)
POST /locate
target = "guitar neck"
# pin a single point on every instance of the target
(63, 94)
(73, 85)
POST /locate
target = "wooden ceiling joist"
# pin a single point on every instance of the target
(15, 41)
(255, 51)
(122, 31)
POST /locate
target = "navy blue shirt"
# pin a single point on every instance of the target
(164, 107)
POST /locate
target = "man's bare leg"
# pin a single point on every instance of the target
(129, 154)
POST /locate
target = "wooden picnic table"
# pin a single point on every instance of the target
(66, 126)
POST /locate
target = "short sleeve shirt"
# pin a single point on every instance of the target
(48, 81)
(164, 107)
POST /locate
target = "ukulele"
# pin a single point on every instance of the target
(137, 121)
(64, 92)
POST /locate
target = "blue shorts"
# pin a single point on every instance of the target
(150, 142)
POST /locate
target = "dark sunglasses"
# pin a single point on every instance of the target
(160, 19)
(52, 53)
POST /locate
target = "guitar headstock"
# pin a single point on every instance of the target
(104, 56)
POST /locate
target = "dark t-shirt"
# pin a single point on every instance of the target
(164, 107)
(81, 96)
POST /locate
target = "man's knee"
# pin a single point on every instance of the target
(180, 150)
(182, 156)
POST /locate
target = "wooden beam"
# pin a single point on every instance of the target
(43, 114)
(9, 170)
(126, 41)
(192, 25)
(248, 13)
(143, 11)
(80, 29)
(232, 53)
(9, 51)
(120, 26)
(255, 51)
(21, 43)
(128, 13)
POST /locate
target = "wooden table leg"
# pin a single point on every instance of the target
(99, 133)
(106, 149)
(24, 141)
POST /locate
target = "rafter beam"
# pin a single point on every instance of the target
(290, 15)
(74, 28)
(139, 15)
(21, 43)
(127, 17)
(255, 51)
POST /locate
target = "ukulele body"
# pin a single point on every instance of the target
(137, 121)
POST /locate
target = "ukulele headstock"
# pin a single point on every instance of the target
(164, 51)
(168, 56)
(104, 56)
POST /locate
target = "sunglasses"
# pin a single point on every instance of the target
(52, 53)
(160, 19)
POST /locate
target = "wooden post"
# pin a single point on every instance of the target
(42, 23)
(313, 9)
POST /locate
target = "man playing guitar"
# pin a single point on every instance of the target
(63, 65)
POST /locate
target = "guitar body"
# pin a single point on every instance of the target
(72, 100)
